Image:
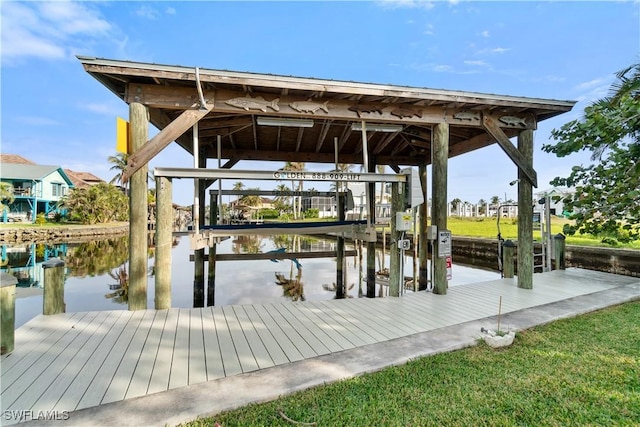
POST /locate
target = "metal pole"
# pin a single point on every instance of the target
(196, 182)
(219, 141)
(365, 158)
(547, 220)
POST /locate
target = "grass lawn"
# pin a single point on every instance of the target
(488, 228)
(580, 371)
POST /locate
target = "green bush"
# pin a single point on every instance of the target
(311, 213)
(41, 218)
(285, 217)
(269, 213)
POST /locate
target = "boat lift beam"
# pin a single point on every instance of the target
(278, 175)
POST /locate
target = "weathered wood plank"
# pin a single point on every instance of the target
(179, 375)
(350, 333)
(122, 378)
(197, 364)
(76, 391)
(313, 326)
(213, 357)
(248, 361)
(170, 133)
(57, 380)
(318, 347)
(524, 165)
(230, 360)
(162, 367)
(290, 331)
(263, 359)
(327, 324)
(24, 393)
(276, 352)
(95, 333)
(144, 368)
(38, 338)
(94, 353)
(100, 383)
(286, 344)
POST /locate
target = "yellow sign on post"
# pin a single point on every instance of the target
(122, 135)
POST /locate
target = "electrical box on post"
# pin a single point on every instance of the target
(404, 244)
(413, 195)
(404, 221)
(432, 232)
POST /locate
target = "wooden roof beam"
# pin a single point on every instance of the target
(170, 133)
(490, 124)
(385, 141)
(323, 134)
(299, 138)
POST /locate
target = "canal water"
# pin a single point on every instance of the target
(96, 270)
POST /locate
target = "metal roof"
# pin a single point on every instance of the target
(240, 98)
(17, 171)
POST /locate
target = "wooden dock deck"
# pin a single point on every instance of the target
(72, 361)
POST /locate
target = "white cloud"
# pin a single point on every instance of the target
(36, 121)
(148, 12)
(45, 29)
(478, 63)
(104, 109)
(590, 84)
(170, 11)
(429, 30)
(442, 68)
(485, 33)
(493, 51)
(412, 4)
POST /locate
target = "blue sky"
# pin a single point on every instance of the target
(53, 112)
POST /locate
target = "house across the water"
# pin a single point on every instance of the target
(37, 188)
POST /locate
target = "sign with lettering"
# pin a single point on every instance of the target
(317, 176)
(444, 243)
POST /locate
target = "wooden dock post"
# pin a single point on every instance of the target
(525, 213)
(7, 312)
(340, 285)
(423, 274)
(508, 249)
(164, 229)
(198, 274)
(211, 277)
(138, 210)
(560, 248)
(53, 295)
(371, 246)
(440, 153)
(397, 200)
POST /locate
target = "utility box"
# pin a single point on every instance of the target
(404, 244)
(413, 195)
(432, 232)
(404, 221)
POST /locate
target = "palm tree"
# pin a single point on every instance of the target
(482, 209)
(296, 167)
(454, 204)
(282, 199)
(238, 186)
(6, 195)
(119, 162)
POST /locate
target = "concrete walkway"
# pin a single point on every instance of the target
(188, 403)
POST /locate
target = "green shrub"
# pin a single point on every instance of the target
(41, 218)
(311, 213)
(269, 213)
